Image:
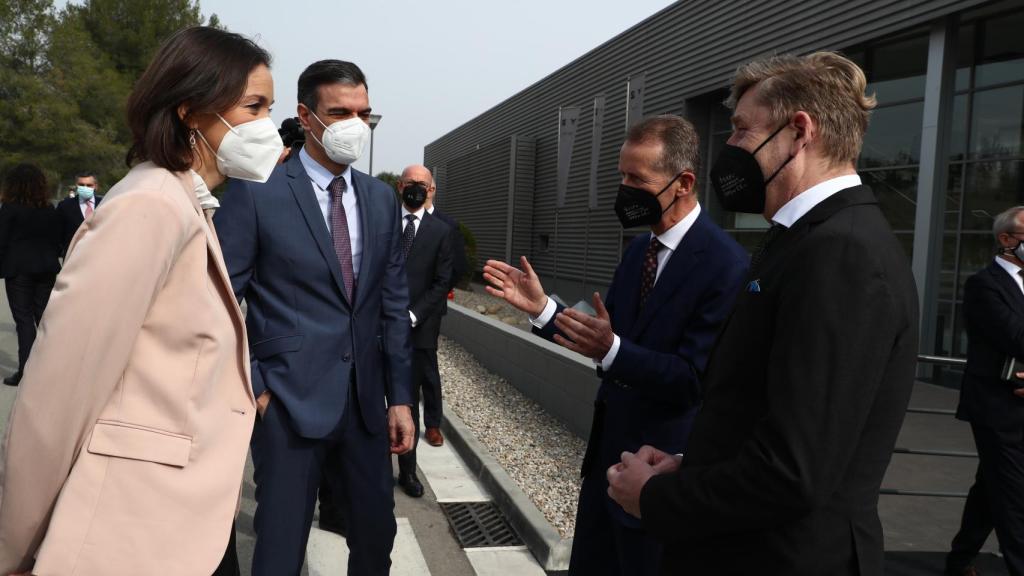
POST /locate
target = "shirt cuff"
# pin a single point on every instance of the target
(609, 358)
(413, 318)
(545, 316)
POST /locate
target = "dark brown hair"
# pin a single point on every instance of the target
(25, 184)
(204, 68)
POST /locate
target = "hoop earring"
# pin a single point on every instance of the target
(192, 138)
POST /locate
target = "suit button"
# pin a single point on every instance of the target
(347, 357)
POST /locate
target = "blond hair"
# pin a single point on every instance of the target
(825, 85)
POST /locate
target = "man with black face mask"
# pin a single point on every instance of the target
(808, 383)
(651, 336)
(993, 401)
(426, 243)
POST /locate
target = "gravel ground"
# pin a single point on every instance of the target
(537, 451)
(480, 301)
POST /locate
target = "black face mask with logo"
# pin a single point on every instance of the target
(637, 207)
(737, 178)
(414, 196)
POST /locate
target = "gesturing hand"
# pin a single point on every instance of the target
(627, 479)
(590, 336)
(520, 288)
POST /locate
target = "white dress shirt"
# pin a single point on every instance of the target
(418, 214)
(1013, 270)
(670, 240)
(321, 178)
(416, 226)
(82, 203)
(802, 203)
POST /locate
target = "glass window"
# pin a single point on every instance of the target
(897, 69)
(964, 56)
(958, 129)
(897, 195)
(997, 121)
(954, 181)
(977, 249)
(893, 137)
(1002, 50)
(990, 188)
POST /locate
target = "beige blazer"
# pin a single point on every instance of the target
(126, 445)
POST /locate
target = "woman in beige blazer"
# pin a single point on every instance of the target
(125, 448)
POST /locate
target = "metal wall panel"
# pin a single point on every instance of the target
(685, 51)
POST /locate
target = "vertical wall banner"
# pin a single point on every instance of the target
(568, 118)
(635, 98)
(597, 128)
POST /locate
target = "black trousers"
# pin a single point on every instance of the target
(27, 295)
(1000, 486)
(229, 564)
(425, 376)
(975, 526)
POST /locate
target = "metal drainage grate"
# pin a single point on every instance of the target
(479, 525)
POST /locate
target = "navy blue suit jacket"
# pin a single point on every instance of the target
(307, 341)
(652, 390)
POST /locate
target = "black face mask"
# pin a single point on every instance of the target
(637, 207)
(414, 196)
(738, 180)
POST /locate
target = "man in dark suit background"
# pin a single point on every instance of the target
(994, 315)
(433, 408)
(651, 336)
(426, 243)
(78, 206)
(316, 253)
(806, 389)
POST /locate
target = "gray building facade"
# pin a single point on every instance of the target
(944, 152)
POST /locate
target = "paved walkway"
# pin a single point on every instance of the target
(424, 545)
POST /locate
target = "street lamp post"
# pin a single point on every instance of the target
(374, 120)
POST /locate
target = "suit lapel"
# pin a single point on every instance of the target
(1007, 285)
(673, 276)
(302, 189)
(213, 249)
(425, 230)
(361, 187)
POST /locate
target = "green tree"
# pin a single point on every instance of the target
(390, 178)
(65, 78)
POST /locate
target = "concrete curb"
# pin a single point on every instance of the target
(543, 540)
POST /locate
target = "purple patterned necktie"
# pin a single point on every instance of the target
(650, 270)
(339, 230)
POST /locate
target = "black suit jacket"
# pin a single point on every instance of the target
(429, 270)
(805, 393)
(71, 218)
(29, 240)
(460, 265)
(994, 314)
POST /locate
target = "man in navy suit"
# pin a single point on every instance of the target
(994, 313)
(316, 253)
(75, 208)
(650, 338)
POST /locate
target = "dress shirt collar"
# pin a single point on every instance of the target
(321, 176)
(803, 203)
(431, 209)
(673, 236)
(418, 214)
(1012, 269)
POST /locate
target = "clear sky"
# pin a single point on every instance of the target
(431, 64)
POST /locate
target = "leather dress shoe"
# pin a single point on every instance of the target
(410, 484)
(13, 379)
(434, 437)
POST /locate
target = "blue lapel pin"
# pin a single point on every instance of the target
(754, 286)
